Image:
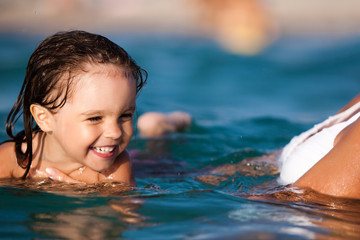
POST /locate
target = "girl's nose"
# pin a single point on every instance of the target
(113, 130)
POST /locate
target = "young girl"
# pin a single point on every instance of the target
(77, 102)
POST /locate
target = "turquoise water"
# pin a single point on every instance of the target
(203, 183)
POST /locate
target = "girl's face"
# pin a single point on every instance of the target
(95, 125)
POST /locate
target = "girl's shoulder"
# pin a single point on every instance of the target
(120, 171)
(9, 166)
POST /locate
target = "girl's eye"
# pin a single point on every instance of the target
(94, 119)
(126, 116)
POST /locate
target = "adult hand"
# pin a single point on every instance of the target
(57, 175)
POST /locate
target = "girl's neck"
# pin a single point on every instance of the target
(46, 157)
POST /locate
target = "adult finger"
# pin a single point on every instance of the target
(57, 175)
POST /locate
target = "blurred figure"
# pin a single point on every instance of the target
(240, 26)
(155, 124)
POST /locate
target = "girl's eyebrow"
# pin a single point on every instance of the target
(91, 112)
(132, 108)
(98, 112)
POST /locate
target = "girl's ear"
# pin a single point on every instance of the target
(42, 116)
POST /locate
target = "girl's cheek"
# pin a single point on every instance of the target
(90, 131)
(128, 129)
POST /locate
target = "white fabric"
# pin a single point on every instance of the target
(305, 150)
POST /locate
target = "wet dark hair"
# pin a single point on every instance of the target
(49, 75)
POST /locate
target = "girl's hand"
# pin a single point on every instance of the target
(57, 175)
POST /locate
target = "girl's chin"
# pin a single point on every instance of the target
(101, 169)
(101, 165)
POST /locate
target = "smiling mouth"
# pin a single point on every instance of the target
(103, 150)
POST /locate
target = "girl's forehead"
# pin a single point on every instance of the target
(95, 76)
(101, 68)
(91, 72)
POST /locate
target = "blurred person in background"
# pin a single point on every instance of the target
(241, 26)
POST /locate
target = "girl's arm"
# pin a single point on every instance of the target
(9, 166)
(121, 171)
(338, 173)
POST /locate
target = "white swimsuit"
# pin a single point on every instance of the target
(305, 150)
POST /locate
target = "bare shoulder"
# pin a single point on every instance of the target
(121, 170)
(352, 102)
(7, 160)
(350, 136)
(338, 173)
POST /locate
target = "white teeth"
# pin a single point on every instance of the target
(103, 149)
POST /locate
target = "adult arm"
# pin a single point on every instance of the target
(156, 124)
(120, 171)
